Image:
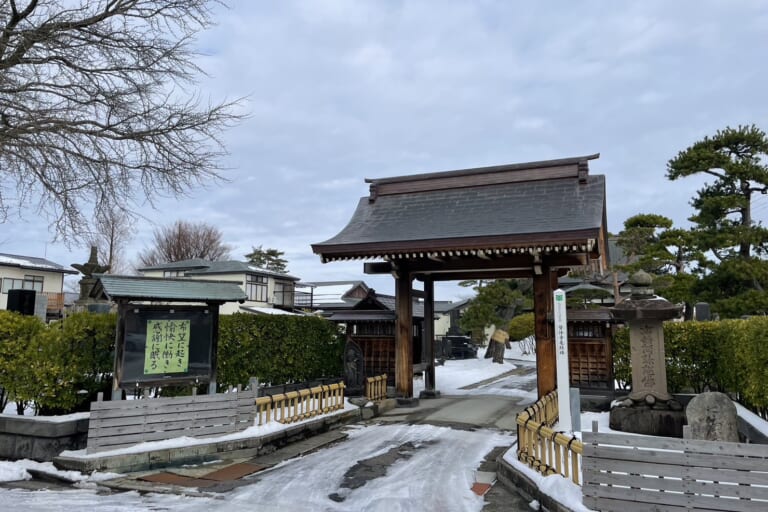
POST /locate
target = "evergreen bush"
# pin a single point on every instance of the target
(521, 327)
(728, 355)
(277, 349)
(61, 367)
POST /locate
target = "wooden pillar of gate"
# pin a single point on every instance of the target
(429, 336)
(403, 334)
(546, 371)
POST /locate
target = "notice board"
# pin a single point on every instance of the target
(165, 344)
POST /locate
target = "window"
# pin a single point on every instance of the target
(28, 283)
(283, 295)
(584, 330)
(173, 273)
(256, 288)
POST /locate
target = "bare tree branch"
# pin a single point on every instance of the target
(185, 241)
(95, 111)
(113, 229)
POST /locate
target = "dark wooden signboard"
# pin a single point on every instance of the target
(159, 345)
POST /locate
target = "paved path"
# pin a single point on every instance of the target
(491, 404)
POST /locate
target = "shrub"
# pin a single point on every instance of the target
(88, 340)
(18, 351)
(60, 367)
(277, 349)
(729, 356)
(521, 327)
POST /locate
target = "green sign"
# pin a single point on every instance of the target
(167, 347)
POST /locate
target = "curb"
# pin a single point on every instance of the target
(513, 480)
(244, 448)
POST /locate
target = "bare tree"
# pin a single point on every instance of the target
(113, 229)
(183, 241)
(96, 108)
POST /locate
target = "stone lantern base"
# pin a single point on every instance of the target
(649, 417)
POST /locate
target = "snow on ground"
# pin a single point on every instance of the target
(753, 419)
(445, 461)
(455, 374)
(558, 488)
(254, 431)
(438, 476)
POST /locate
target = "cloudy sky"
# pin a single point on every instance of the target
(339, 91)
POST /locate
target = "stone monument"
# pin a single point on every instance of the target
(712, 417)
(649, 408)
(87, 282)
(354, 369)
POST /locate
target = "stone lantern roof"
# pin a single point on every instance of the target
(642, 304)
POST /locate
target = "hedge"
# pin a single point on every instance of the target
(521, 326)
(61, 366)
(728, 355)
(277, 349)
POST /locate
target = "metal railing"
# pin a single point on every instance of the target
(298, 405)
(376, 388)
(543, 449)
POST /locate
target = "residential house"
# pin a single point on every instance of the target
(43, 276)
(268, 292)
(447, 317)
(369, 317)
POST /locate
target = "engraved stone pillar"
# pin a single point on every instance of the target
(646, 353)
(645, 313)
(649, 408)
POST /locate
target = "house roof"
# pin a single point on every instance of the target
(194, 267)
(552, 205)
(586, 287)
(32, 263)
(447, 306)
(116, 287)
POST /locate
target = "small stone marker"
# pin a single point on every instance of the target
(712, 417)
(354, 368)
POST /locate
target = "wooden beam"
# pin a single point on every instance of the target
(545, 344)
(467, 274)
(378, 267)
(496, 264)
(403, 334)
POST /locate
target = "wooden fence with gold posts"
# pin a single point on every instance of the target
(298, 405)
(545, 450)
(376, 388)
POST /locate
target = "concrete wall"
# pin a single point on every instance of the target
(37, 439)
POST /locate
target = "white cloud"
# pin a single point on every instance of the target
(339, 91)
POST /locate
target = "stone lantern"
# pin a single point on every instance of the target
(87, 282)
(649, 408)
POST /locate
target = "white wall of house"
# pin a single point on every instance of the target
(229, 308)
(53, 282)
(442, 324)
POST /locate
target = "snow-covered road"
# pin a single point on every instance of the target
(389, 467)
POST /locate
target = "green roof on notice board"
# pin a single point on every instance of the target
(117, 287)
